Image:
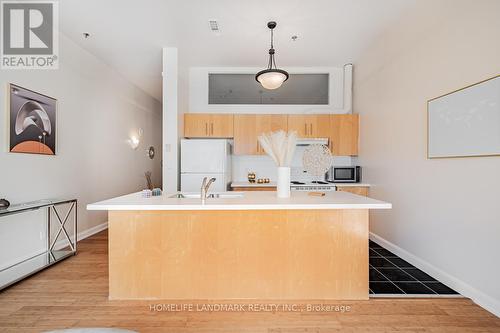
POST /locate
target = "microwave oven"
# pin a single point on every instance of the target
(347, 174)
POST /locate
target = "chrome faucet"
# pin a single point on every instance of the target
(204, 188)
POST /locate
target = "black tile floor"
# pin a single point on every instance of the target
(391, 275)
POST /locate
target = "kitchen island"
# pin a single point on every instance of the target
(248, 245)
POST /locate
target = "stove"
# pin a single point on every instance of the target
(312, 186)
(303, 181)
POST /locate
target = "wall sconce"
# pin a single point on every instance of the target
(151, 152)
(135, 139)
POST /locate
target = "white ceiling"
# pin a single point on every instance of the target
(129, 35)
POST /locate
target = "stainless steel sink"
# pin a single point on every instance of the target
(225, 195)
(185, 196)
(222, 195)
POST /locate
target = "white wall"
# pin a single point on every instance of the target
(171, 120)
(97, 112)
(445, 215)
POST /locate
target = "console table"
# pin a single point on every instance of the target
(52, 253)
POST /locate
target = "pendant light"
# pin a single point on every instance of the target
(272, 77)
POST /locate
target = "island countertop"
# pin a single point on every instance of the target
(246, 201)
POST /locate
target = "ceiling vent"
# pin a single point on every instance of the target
(214, 26)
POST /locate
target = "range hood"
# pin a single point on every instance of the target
(312, 141)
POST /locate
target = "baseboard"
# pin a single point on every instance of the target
(82, 235)
(92, 231)
(486, 302)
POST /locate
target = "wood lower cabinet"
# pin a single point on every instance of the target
(343, 134)
(204, 125)
(247, 127)
(254, 188)
(310, 126)
(359, 190)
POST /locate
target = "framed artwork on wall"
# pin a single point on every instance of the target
(32, 121)
(465, 122)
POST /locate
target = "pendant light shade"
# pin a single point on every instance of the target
(272, 77)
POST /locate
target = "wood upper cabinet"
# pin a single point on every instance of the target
(204, 125)
(341, 129)
(247, 127)
(344, 134)
(245, 134)
(221, 125)
(310, 126)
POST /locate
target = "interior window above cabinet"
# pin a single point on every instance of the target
(310, 126)
(344, 134)
(247, 128)
(205, 125)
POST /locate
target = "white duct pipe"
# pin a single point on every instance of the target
(348, 80)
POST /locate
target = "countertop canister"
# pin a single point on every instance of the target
(283, 184)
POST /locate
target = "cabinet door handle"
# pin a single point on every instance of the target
(311, 131)
(211, 128)
(206, 128)
(305, 128)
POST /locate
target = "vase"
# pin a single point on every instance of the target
(283, 184)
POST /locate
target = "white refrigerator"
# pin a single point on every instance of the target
(205, 158)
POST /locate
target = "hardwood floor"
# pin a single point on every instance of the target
(74, 294)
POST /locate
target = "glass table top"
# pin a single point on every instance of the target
(32, 205)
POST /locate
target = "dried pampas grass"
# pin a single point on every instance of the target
(280, 146)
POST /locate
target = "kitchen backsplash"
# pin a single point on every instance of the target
(264, 167)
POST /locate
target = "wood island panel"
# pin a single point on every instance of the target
(265, 254)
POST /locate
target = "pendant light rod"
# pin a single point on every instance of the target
(271, 77)
(271, 25)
